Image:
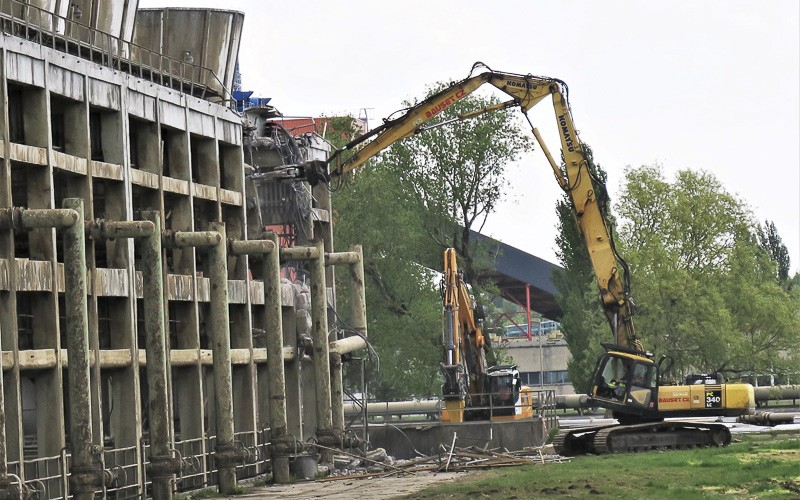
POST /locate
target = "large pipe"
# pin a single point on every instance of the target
(347, 344)
(321, 355)
(109, 230)
(273, 322)
(281, 442)
(184, 239)
(85, 476)
(300, 253)
(226, 453)
(162, 464)
(396, 407)
(777, 392)
(769, 418)
(19, 219)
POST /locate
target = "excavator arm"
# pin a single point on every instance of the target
(576, 179)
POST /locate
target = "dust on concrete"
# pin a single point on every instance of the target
(350, 488)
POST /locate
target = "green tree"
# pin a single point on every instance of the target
(706, 291)
(403, 304)
(771, 242)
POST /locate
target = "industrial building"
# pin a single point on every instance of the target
(140, 297)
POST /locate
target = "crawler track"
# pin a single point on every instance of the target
(640, 437)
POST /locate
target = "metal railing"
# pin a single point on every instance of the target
(64, 34)
(126, 468)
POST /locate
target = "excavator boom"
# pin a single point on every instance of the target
(577, 179)
(626, 381)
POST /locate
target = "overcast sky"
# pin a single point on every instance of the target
(712, 85)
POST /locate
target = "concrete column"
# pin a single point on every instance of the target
(85, 474)
(353, 259)
(273, 324)
(358, 300)
(322, 366)
(226, 455)
(162, 466)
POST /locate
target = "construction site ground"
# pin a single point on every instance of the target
(350, 488)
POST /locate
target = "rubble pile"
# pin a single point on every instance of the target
(377, 463)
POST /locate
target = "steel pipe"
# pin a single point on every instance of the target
(157, 364)
(777, 392)
(20, 219)
(273, 322)
(251, 247)
(347, 344)
(395, 408)
(769, 418)
(336, 258)
(196, 239)
(321, 356)
(85, 475)
(109, 230)
(226, 451)
(301, 253)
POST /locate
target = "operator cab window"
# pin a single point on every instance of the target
(613, 381)
(643, 383)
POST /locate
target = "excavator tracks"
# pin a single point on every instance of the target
(640, 437)
(577, 441)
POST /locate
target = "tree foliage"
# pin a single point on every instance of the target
(420, 196)
(706, 289)
(707, 280)
(772, 244)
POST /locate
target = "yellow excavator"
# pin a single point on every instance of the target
(470, 390)
(627, 380)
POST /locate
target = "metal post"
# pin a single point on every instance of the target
(528, 308)
(85, 475)
(322, 374)
(226, 454)
(541, 357)
(273, 323)
(162, 465)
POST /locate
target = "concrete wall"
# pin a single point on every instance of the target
(74, 129)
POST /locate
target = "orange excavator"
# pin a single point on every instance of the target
(470, 390)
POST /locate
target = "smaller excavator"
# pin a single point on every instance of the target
(627, 381)
(470, 390)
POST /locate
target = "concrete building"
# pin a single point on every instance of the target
(146, 333)
(542, 362)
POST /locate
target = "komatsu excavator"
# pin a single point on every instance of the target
(627, 381)
(471, 391)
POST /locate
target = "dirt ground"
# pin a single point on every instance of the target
(367, 488)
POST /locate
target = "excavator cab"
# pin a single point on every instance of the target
(626, 382)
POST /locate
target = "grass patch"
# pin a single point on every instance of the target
(756, 467)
